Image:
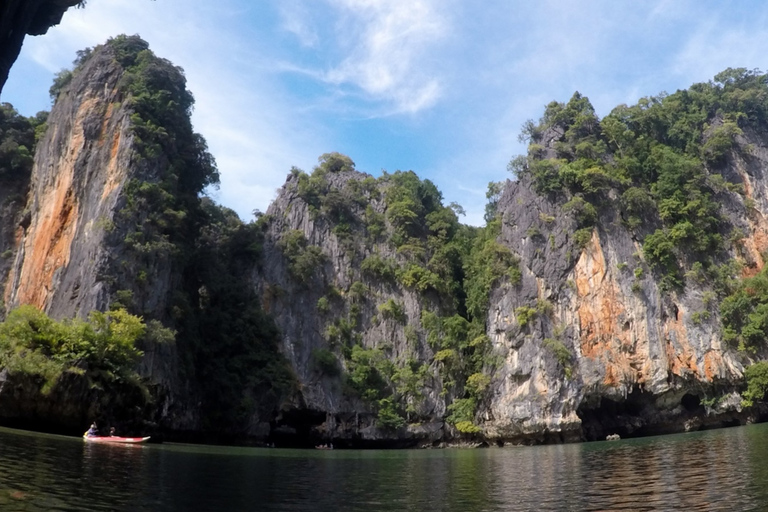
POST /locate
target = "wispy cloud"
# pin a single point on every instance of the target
(712, 49)
(297, 19)
(389, 47)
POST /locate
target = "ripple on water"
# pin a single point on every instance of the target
(715, 470)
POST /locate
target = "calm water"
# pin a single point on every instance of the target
(715, 470)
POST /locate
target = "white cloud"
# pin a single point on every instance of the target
(297, 20)
(389, 47)
(672, 10)
(712, 49)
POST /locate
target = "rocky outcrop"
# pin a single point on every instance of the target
(13, 194)
(72, 255)
(590, 342)
(68, 254)
(19, 18)
(80, 169)
(324, 405)
(635, 358)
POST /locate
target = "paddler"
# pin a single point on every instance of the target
(93, 431)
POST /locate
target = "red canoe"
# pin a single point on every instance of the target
(115, 439)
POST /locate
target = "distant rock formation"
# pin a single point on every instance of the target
(635, 358)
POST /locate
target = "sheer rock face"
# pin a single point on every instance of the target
(68, 255)
(19, 18)
(642, 359)
(80, 168)
(71, 254)
(294, 306)
(13, 196)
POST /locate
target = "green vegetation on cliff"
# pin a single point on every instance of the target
(162, 207)
(231, 342)
(662, 164)
(162, 202)
(414, 275)
(756, 376)
(226, 342)
(745, 313)
(412, 242)
(657, 162)
(18, 138)
(102, 349)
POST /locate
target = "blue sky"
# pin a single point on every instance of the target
(440, 87)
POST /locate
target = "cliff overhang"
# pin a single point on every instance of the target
(19, 18)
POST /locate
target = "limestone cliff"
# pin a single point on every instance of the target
(359, 310)
(339, 311)
(640, 360)
(611, 348)
(81, 167)
(605, 350)
(597, 331)
(74, 250)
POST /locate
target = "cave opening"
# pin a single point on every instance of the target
(602, 416)
(297, 428)
(691, 403)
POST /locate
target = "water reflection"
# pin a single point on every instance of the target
(716, 470)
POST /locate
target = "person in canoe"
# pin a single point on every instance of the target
(93, 431)
(92, 435)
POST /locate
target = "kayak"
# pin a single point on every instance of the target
(116, 439)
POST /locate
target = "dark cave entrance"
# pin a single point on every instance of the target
(602, 416)
(640, 414)
(691, 403)
(298, 429)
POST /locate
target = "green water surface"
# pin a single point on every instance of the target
(715, 470)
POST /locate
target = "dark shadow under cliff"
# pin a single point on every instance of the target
(640, 415)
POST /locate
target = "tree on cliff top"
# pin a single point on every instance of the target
(658, 163)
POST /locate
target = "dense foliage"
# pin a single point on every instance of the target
(162, 203)
(396, 230)
(103, 348)
(18, 137)
(488, 262)
(657, 162)
(745, 313)
(232, 343)
(756, 376)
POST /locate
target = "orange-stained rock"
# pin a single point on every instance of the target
(600, 305)
(755, 243)
(62, 254)
(713, 363)
(50, 236)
